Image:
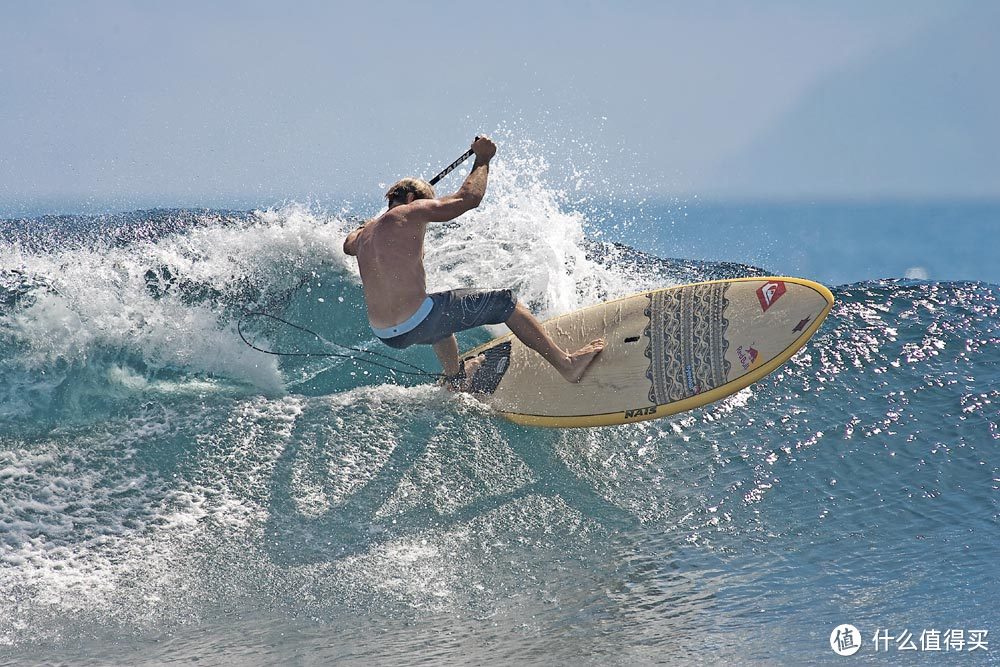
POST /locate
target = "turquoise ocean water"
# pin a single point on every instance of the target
(169, 494)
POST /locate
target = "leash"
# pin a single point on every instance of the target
(417, 370)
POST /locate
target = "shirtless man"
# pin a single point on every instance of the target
(390, 252)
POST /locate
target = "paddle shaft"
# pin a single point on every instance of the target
(447, 170)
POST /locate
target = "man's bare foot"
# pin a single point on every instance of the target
(465, 384)
(579, 361)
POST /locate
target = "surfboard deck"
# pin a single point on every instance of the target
(667, 351)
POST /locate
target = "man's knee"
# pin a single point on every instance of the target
(511, 304)
(445, 340)
(517, 309)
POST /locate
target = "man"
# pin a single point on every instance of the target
(390, 252)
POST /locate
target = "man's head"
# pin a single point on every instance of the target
(399, 193)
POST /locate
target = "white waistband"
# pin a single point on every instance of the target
(409, 324)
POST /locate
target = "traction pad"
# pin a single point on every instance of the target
(488, 377)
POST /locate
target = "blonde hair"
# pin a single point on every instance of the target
(420, 188)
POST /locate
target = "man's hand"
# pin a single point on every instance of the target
(484, 148)
(468, 197)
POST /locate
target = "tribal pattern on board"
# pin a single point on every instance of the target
(687, 341)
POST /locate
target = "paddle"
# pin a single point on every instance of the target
(447, 170)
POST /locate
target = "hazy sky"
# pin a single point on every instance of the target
(131, 104)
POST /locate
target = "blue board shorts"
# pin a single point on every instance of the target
(445, 313)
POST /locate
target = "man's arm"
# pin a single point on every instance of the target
(351, 242)
(466, 198)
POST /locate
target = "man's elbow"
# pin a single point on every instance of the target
(472, 201)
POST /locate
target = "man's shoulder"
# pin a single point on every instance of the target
(405, 214)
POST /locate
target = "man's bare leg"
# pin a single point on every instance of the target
(571, 365)
(446, 350)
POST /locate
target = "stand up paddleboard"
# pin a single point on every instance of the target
(667, 351)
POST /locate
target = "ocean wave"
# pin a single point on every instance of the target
(97, 311)
(156, 469)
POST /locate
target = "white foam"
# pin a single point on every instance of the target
(85, 527)
(101, 302)
(522, 237)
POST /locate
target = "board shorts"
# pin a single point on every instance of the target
(444, 313)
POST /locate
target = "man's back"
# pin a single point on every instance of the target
(390, 251)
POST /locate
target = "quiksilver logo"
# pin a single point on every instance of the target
(770, 292)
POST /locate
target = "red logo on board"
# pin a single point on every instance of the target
(770, 292)
(747, 357)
